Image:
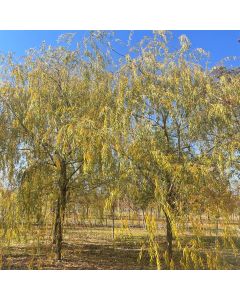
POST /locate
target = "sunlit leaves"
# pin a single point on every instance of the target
(154, 127)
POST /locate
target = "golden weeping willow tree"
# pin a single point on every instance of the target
(56, 103)
(173, 123)
(153, 127)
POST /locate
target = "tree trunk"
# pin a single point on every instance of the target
(60, 212)
(58, 245)
(171, 208)
(113, 223)
(143, 219)
(169, 237)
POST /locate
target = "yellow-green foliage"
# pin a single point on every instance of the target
(156, 128)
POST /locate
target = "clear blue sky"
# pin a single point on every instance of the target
(219, 43)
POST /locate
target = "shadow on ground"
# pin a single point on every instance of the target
(86, 249)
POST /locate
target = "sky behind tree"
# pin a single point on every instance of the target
(220, 43)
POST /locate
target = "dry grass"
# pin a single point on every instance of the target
(90, 248)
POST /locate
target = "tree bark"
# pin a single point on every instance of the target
(143, 219)
(113, 222)
(58, 233)
(60, 212)
(169, 237)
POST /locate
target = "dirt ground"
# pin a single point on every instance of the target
(83, 249)
(88, 248)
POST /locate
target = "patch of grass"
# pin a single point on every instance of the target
(92, 248)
